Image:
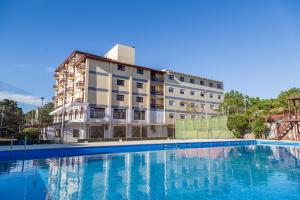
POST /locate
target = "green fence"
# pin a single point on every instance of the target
(211, 128)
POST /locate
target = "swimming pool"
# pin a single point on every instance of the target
(244, 170)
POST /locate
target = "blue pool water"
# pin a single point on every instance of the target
(239, 172)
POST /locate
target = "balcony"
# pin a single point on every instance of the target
(71, 76)
(56, 77)
(70, 89)
(157, 79)
(155, 92)
(157, 106)
(54, 99)
(81, 68)
(80, 84)
(79, 100)
(55, 87)
(61, 81)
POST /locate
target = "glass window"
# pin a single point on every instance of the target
(219, 96)
(181, 103)
(171, 102)
(211, 84)
(192, 80)
(219, 85)
(212, 106)
(139, 99)
(192, 92)
(171, 115)
(171, 90)
(211, 95)
(193, 105)
(139, 115)
(119, 114)
(182, 116)
(139, 71)
(120, 82)
(201, 82)
(75, 133)
(193, 117)
(139, 85)
(97, 113)
(202, 105)
(171, 77)
(120, 97)
(182, 78)
(121, 67)
(202, 94)
(181, 91)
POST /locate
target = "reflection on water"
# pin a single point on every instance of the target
(251, 172)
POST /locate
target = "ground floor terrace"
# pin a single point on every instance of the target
(98, 132)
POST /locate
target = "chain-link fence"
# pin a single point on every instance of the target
(210, 128)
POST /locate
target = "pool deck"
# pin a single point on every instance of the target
(115, 143)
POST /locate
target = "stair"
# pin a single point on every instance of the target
(283, 128)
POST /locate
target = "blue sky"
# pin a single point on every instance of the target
(253, 46)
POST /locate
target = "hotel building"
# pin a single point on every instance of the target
(110, 97)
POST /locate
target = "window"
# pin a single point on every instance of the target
(181, 91)
(57, 133)
(171, 102)
(70, 115)
(139, 71)
(75, 133)
(120, 82)
(181, 103)
(192, 80)
(193, 105)
(211, 95)
(182, 78)
(119, 114)
(171, 77)
(212, 106)
(182, 116)
(76, 114)
(211, 84)
(171, 115)
(97, 113)
(192, 92)
(139, 99)
(202, 94)
(120, 97)
(193, 117)
(202, 105)
(219, 96)
(121, 67)
(139, 85)
(139, 115)
(219, 85)
(201, 82)
(171, 90)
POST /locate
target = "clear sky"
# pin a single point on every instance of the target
(253, 46)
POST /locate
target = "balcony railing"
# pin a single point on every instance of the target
(56, 77)
(80, 100)
(70, 89)
(55, 87)
(61, 81)
(54, 98)
(157, 106)
(155, 92)
(81, 68)
(80, 84)
(71, 75)
(157, 79)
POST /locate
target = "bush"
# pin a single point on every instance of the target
(238, 124)
(32, 134)
(259, 128)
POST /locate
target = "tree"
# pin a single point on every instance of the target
(234, 102)
(31, 133)
(259, 128)
(12, 115)
(238, 124)
(282, 97)
(44, 115)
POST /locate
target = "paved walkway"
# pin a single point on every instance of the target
(100, 144)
